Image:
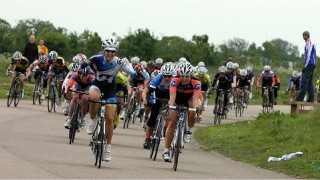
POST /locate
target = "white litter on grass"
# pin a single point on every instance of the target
(285, 157)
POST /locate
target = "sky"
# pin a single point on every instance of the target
(253, 20)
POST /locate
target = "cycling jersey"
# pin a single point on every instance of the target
(224, 82)
(205, 81)
(42, 66)
(159, 83)
(76, 81)
(244, 82)
(59, 64)
(296, 83)
(22, 66)
(267, 79)
(121, 79)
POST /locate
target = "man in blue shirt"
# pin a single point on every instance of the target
(310, 63)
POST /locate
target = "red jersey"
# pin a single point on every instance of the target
(194, 86)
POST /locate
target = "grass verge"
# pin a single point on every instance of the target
(273, 134)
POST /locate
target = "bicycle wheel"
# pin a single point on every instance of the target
(35, 94)
(152, 141)
(101, 141)
(18, 94)
(40, 91)
(158, 138)
(51, 99)
(215, 120)
(177, 147)
(236, 110)
(11, 95)
(74, 123)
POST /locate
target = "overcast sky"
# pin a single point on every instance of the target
(252, 20)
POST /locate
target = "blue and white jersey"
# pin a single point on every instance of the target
(107, 70)
(159, 83)
(310, 56)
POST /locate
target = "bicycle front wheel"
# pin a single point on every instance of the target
(101, 141)
(51, 99)
(74, 124)
(177, 147)
(35, 91)
(18, 94)
(11, 95)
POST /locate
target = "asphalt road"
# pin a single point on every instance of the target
(34, 144)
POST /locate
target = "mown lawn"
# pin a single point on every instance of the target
(272, 134)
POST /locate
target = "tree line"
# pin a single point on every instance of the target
(143, 43)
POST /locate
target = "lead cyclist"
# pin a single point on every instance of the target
(107, 66)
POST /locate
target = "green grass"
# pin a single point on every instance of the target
(271, 134)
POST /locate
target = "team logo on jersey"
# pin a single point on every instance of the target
(120, 61)
(173, 84)
(197, 87)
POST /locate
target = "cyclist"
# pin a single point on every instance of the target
(224, 84)
(81, 80)
(160, 85)
(107, 66)
(230, 59)
(57, 67)
(276, 88)
(150, 67)
(268, 79)
(250, 76)
(294, 84)
(158, 63)
(184, 90)
(138, 82)
(237, 69)
(205, 80)
(121, 92)
(243, 82)
(42, 67)
(21, 65)
(231, 73)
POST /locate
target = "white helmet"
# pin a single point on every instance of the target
(17, 55)
(201, 64)
(159, 61)
(249, 69)
(267, 68)
(229, 65)
(82, 57)
(167, 69)
(202, 70)
(110, 44)
(183, 60)
(76, 59)
(243, 72)
(53, 55)
(135, 60)
(222, 69)
(295, 74)
(235, 65)
(144, 64)
(43, 59)
(185, 69)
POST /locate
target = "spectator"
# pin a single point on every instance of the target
(42, 49)
(310, 63)
(31, 52)
(230, 59)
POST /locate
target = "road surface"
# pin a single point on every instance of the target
(34, 144)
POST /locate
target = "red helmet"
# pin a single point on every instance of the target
(138, 68)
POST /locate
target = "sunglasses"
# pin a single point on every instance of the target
(167, 76)
(109, 51)
(185, 76)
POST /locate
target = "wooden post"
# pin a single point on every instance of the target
(294, 109)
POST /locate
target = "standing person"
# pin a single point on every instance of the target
(42, 49)
(310, 63)
(230, 59)
(31, 52)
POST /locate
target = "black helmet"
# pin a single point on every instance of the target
(85, 71)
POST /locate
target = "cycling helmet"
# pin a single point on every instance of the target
(138, 68)
(167, 69)
(110, 44)
(235, 65)
(53, 55)
(183, 60)
(43, 59)
(185, 69)
(229, 65)
(201, 64)
(135, 60)
(222, 69)
(202, 70)
(267, 68)
(159, 61)
(243, 72)
(75, 67)
(295, 74)
(76, 59)
(82, 57)
(154, 73)
(17, 55)
(84, 71)
(249, 69)
(144, 64)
